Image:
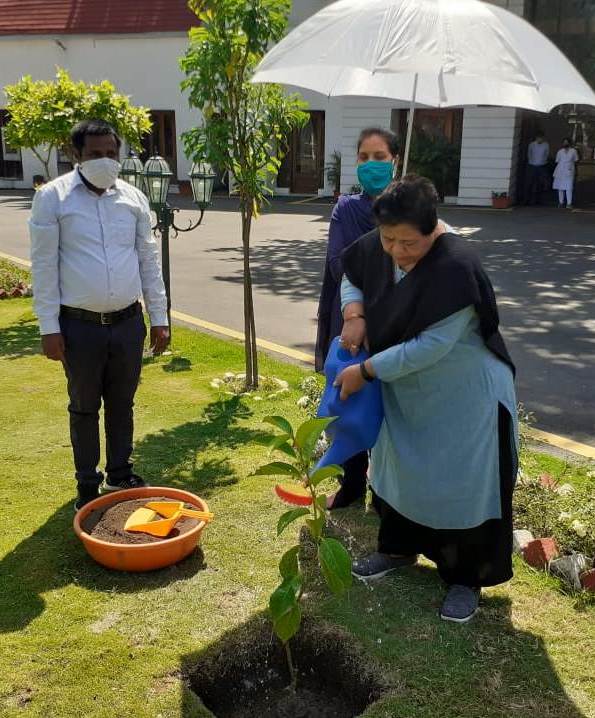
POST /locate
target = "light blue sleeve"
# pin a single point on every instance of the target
(428, 348)
(349, 293)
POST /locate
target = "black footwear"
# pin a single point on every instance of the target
(343, 498)
(377, 565)
(130, 482)
(461, 604)
(87, 491)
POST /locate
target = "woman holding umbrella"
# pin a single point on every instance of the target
(445, 463)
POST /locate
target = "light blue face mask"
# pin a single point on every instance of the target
(375, 176)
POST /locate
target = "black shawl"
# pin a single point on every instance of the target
(447, 279)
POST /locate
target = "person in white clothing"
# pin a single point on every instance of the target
(93, 255)
(565, 171)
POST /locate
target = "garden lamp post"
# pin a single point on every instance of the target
(132, 170)
(157, 176)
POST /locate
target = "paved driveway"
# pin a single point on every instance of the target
(542, 263)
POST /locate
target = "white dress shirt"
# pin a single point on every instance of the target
(538, 153)
(93, 251)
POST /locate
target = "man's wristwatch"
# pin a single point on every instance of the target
(365, 373)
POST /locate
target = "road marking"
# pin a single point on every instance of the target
(560, 442)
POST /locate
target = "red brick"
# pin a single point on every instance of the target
(588, 580)
(540, 552)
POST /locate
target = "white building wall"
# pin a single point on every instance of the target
(488, 153)
(358, 114)
(142, 66)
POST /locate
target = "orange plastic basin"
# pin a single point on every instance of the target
(140, 557)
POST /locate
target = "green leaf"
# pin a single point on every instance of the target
(287, 625)
(288, 565)
(326, 472)
(335, 564)
(289, 517)
(321, 501)
(280, 423)
(279, 443)
(278, 468)
(285, 596)
(315, 526)
(308, 434)
(288, 450)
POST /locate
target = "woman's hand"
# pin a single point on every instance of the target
(350, 380)
(354, 335)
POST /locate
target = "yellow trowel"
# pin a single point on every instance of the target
(169, 508)
(143, 520)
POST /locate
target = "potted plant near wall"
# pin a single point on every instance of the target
(500, 200)
(333, 173)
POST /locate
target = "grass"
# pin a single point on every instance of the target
(80, 640)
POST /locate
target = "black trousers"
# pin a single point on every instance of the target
(102, 363)
(480, 556)
(536, 181)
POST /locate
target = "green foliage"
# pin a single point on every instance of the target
(246, 127)
(436, 158)
(567, 515)
(333, 170)
(42, 113)
(312, 387)
(333, 558)
(12, 276)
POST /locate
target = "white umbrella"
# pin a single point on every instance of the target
(433, 53)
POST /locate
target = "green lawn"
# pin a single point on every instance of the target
(80, 640)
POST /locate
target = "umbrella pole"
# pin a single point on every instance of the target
(410, 127)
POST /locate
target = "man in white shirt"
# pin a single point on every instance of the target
(93, 255)
(537, 176)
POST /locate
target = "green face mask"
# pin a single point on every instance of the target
(375, 176)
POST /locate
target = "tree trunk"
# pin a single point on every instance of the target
(45, 161)
(249, 323)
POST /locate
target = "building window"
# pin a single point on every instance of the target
(11, 165)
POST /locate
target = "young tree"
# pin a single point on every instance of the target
(43, 113)
(245, 128)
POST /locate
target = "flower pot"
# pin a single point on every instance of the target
(140, 557)
(501, 202)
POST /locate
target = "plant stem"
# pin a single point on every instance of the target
(292, 670)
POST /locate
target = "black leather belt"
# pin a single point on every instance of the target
(101, 317)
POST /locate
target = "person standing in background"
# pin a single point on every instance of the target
(537, 159)
(93, 255)
(566, 160)
(377, 152)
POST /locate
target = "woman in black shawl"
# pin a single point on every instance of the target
(445, 462)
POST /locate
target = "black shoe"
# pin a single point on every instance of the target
(377, 565)
(130, 482)
(461, 604)
(87, 491)
(344, 498)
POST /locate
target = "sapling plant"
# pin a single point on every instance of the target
(310, 509)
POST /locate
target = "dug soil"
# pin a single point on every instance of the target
(249, 680)
(107, 524)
